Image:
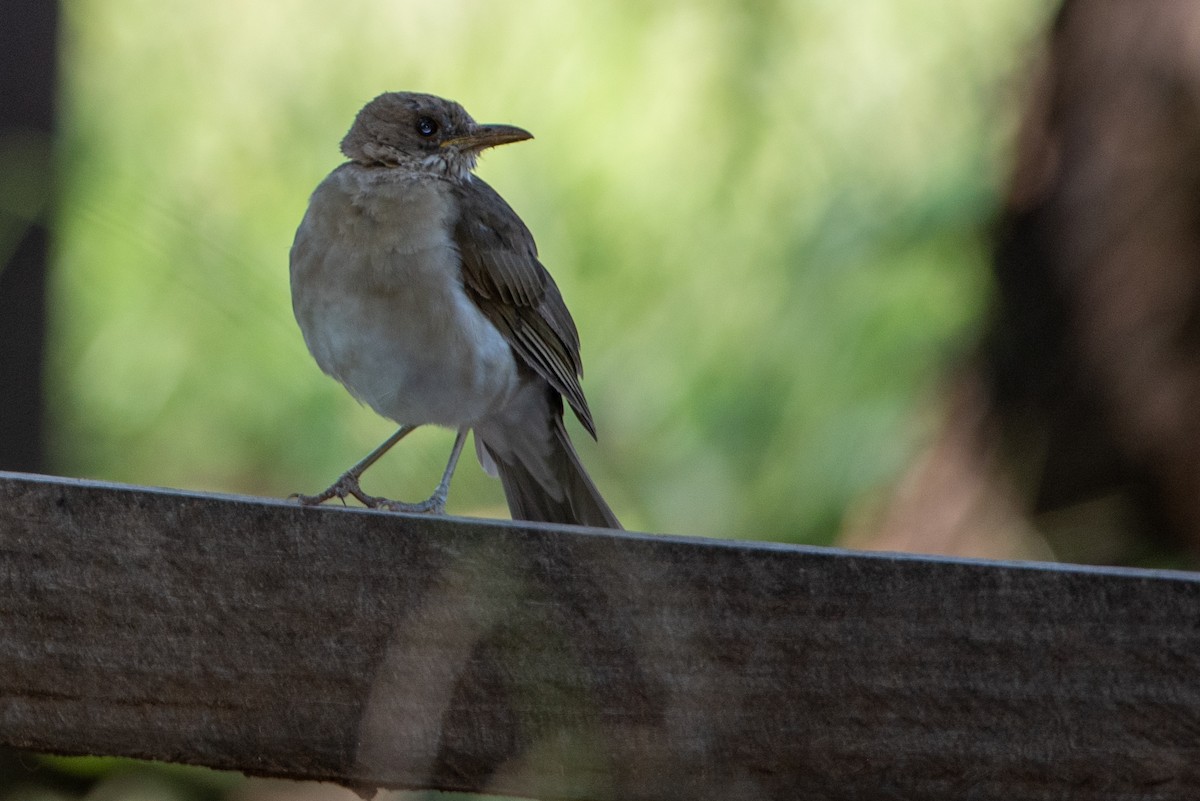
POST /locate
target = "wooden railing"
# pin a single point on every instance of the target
(384, 650)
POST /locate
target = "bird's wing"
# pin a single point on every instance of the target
(502, 275)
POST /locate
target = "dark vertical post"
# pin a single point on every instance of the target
(28, 60)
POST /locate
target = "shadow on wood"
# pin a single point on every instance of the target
(375, 649)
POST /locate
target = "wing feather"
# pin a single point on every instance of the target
(502, 275)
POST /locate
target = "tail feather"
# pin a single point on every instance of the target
(572, 499)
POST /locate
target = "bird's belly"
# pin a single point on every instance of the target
(417, 350)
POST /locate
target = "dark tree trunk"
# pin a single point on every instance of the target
(28, 68)
(1081, 414)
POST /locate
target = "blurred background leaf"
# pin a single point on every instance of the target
(769, 221)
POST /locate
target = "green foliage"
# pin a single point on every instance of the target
(768, 219)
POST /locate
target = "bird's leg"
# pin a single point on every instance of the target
(348, 483)
(436, 503)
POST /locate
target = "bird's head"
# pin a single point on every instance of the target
(423, 133)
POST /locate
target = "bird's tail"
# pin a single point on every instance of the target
(547, 482)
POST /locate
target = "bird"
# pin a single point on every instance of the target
(419, 289)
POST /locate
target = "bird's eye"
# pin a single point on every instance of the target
(426, 126)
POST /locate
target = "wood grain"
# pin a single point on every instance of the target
(379, 649)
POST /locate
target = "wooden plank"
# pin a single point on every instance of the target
(380, 649)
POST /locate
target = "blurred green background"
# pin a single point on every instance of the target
(769, 219)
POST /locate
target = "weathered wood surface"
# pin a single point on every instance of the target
(380, 649)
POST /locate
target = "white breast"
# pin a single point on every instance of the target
(377, 290)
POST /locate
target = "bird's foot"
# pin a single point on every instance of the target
(345, 487)
(435, 505)
(348, 487)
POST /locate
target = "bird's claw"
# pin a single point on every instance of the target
(312, 500)
(430, 506)
(435, 504)
(347, 486)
